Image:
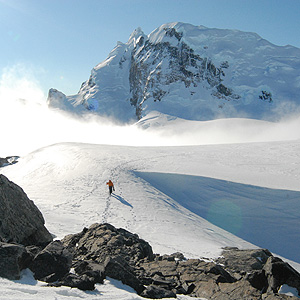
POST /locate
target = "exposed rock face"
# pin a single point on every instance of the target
(150, 77)
(102, 250)
(191, 72)
(20, 220)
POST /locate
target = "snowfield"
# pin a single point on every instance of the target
(192, 199)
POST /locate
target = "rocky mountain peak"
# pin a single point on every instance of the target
(191, 72)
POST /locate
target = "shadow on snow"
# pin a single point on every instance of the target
(268, 218)
(122, 200)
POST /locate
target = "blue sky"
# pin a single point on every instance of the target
(56, 43)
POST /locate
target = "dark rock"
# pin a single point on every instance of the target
(21, 221)
(82, 282)
(243, 261)
(100, 241)
(186, 288)
(9, 160)
(258, 280)
(52, 263)
(91, 269)
(102, 250)
(279, 272)
(155, 292)
(237, 291)
(11, 256)
(118, 269)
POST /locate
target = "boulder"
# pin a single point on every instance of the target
(83, 282)
(278, 273)
(118, 269)
(191, 277)
(117, 251)
(52, 263)
(12, 258)
(155, 292)
(20, 220)
(91, 269)
(102, 240)
(243, 261)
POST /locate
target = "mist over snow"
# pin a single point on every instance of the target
(28, 124)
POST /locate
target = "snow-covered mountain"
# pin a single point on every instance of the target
(192, 72)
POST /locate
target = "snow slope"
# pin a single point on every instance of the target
(170, 196)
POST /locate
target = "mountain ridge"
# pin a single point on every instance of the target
(192, 72)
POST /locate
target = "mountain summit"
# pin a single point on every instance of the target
(192, 72)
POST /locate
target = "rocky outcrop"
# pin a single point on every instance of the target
(20, 220)
(81, 260)
(103, 250)
(9, 160)
(101, 241)
(21, 225)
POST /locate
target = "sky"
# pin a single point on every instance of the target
(55, 44)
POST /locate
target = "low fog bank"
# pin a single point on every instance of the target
(28, 124)
(221, 131)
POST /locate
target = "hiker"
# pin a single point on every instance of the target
(110, 186)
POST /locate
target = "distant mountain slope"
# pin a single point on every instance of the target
(192, 72)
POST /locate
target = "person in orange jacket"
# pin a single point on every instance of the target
(110, 186)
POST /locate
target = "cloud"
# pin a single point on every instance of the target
(27, 124)
(224, 131)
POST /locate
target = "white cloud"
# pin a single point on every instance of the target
(27, 124)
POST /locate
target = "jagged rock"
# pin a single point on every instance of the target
(20, 220)
(155, 292)
(52, 263)
(91, 269)
(12, 259)
(116, 249)
(186, 277)
(243, 261)
(118, 269)
(103, 250)
(82, 282)
(236, 291)
(104, 240)
(279, 273)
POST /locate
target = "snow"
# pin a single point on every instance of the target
(289, 291)
(195, 199)
(145, 66)
(28, 288)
